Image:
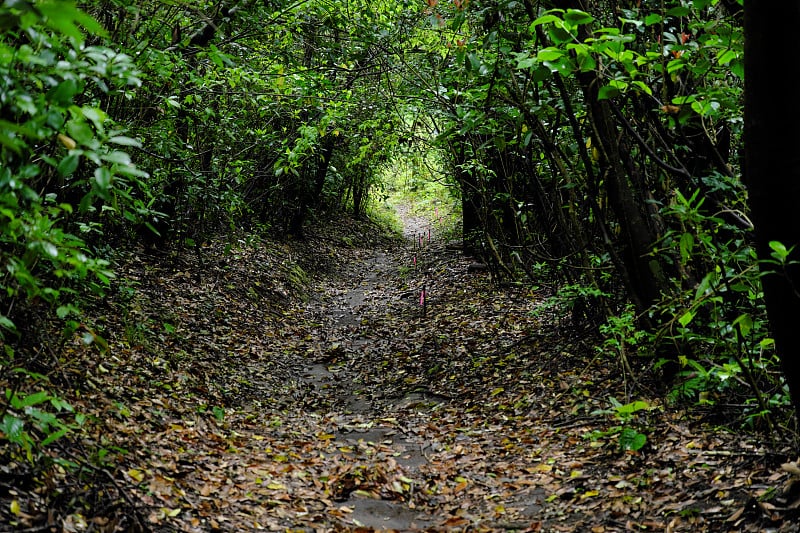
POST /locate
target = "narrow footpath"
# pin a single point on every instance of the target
(314, 387)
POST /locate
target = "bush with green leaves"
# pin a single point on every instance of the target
(64, 174)
(64, 170)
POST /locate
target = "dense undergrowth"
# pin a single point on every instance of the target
(145, 172)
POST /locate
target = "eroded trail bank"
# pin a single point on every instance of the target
(303, 386)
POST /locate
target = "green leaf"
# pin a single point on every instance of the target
(63, 17)
(652, 18)
(544, 19)
(680, 11)
(125, 141)
(118, 157)
(49, 249)
(13, 428)
(81, 132)
(550, 54)
(7, 324)
(97, 116)
(52, 437)
(29, 400)
(63, 93)
(686, 246)
(745, 323)
(633, 407)
(68, 165)
(576, 17)
(779, 251)
(686, 318)
(606, 92)
(630, 439)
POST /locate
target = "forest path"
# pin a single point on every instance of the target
(301, 386)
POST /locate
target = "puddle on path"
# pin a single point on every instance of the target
(408, 453)
(382, 515)
(347, 312)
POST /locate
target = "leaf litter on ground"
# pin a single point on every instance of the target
(302, 386)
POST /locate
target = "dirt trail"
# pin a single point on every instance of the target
(369, 415)
(474, 415)
(302, 387)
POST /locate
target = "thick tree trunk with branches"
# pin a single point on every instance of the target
(772, 168)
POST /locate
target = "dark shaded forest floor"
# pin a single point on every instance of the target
(303, 387)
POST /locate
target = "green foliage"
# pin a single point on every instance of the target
(622, 336)
(628, 433)
(32, 421)
(63, 168)
(65, 175)
(513, 96)
(719, 320)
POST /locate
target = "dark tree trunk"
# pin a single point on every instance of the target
(321, 172)
(470, 211)
(772, 166)
(642, 275)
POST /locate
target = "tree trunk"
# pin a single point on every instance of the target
(642, 275)
(772, 167)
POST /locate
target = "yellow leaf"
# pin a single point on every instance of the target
(326, 436)
(172, 512)
(497, 391)
(275, 486)
(68, 143)
(15, 508)
(136, 475)
(589, 494)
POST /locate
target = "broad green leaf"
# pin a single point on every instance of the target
(29, 400)
(550, 54)
(630, 439)
(80, 131)
(633, 407)
(69, 164)
(606, 92)
(686, 318)
(13, 428)
(779, 251)
(576, 17)
(97, 116)
(118, 157)
(652, 18)
(680, 11)
(125, 141)
(686, 246)
(49, 249)
(545, 19)
(63, 93)
(745, 323)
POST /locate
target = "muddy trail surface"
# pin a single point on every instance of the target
(313, 387)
